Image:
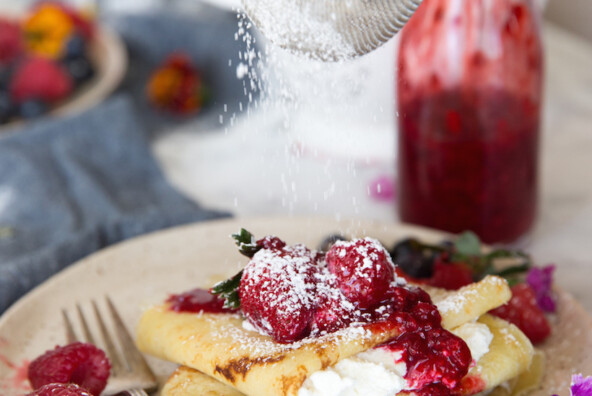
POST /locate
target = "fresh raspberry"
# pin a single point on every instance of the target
(79, 363)
(271, 242)
(450, 276)
(334, 311)
(523, 311)
(278, 292)
(10, 41)
(55, 389)
(363, 269)
(40, 78)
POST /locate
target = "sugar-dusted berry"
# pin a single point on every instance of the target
(363, 269)
(278, 292)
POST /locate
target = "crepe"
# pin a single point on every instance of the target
(218, 345)
(510, 354)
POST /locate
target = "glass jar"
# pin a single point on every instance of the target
(469, 92)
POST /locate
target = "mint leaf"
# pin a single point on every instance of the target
(228, 291)
(246, 242)
(468, 244)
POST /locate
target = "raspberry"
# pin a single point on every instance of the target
(523, 311)
(42, 79)
(271, 242)
(334, 311)
(363, 269)
(55, 389)
(79, 363)
(10, 41)
(450, 276)
(278, 292)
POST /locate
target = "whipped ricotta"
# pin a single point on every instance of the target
(379, 371)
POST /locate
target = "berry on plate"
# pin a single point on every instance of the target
(523, 311)
(277, 291)
(79, 363)
(363, 269)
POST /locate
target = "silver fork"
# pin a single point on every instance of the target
(130, 374)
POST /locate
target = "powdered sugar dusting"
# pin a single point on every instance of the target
(301, 26)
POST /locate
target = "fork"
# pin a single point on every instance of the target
(130, 374)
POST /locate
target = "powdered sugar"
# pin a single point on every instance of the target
(300, 26)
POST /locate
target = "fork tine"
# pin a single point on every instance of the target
(133, 356)
(70, 335)
(88, 337)
(116, 364)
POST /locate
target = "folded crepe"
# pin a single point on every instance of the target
(238, 361)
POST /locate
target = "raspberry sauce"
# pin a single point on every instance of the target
(197, 300)
(436, 359)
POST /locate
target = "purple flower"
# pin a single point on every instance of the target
(382, 188)
(541, 281)
(581, 386)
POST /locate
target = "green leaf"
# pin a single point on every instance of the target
(246, 242)
(228, 291)
(468, 244)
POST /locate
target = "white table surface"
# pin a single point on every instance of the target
(259, 167)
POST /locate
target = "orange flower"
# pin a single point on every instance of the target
(176, 86)
(47, 30)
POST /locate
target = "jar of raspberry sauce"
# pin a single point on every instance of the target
(469, 92)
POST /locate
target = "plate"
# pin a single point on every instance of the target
(143, 271)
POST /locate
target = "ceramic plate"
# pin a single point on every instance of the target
(143, 271)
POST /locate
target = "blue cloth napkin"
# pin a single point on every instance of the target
(71, 186)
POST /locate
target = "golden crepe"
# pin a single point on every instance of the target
(246, 361)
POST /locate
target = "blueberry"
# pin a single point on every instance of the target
(5, 76)
(414, 258)
(80, 69)
(6, 107)
(75, 47)
(32, 108)
(329, 241)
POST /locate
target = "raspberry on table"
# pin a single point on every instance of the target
(79, 363)
(278, 292)
(363, 269)
(56, 389)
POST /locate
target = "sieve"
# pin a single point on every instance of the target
(330, 30)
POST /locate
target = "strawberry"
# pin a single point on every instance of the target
(450, 276)
(56, 389)
(363, 269)
(40, 78)
(523, 311)
(79, 363)
(277, 292)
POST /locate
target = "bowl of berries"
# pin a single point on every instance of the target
(55, 60)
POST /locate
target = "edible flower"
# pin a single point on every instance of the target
(47, 29)
(541, 281)
(581, 386)
(382, 188)
(177, 86)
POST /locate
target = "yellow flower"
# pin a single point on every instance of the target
(47, 30)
